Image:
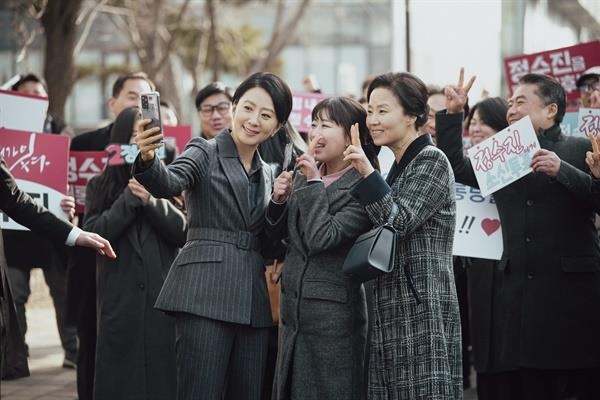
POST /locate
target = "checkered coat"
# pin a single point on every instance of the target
(416, 339)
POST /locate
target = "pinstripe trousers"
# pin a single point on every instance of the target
(218, 360)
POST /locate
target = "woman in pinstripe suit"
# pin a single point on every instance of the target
(323, 311)
(216, 287)
(416, 340)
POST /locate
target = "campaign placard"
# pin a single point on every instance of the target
(505, 157)
(121, 153)
(478, 232)
(588, 122)
(565, 64)
(83, 166)
(39, 164)
(22, 112)
(303, 104)
(178, 136)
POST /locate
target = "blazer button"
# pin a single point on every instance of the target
(528, 239)
(529, 202)
(530, 276)
(141, 286)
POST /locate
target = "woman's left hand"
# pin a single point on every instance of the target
(356, 155)
(307, 163)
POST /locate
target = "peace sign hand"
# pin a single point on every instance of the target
(457, 96)
(592, 158)
(307, 163)
(355, 154)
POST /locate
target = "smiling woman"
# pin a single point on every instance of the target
(216, 287)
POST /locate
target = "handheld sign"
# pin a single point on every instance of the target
(177, 136)
(302, 106)
(22, 112)
(588, 122)
(505, 157)
(83, 166)
(478, 232)
(39, 164)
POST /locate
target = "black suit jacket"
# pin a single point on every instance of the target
(546, 290)
(23, 209)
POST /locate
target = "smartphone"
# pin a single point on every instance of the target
(151, 110)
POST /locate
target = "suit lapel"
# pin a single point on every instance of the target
(230, 162)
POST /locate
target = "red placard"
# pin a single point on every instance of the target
(83, 166)
(303, 104)
(39, 164)
(178, 136)
(565, 65)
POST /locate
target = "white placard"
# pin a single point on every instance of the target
(478, 232)
(22, 112)
(588, 121)
(504, 157)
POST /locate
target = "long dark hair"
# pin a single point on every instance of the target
(114, 179)
(345, 112)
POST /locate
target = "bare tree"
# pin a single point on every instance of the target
(280, 36)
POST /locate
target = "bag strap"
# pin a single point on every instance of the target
(393, 215)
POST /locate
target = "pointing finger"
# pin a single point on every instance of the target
(594, 143)
(461, 77)
(312, 145)
(469, 84)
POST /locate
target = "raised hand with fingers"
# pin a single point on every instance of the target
(307, 163)
(356, 155)
(457, 96)
(67, 204)
(592, 158)
(282, 187)
(148, 141)
(138, 190)
(545, 161)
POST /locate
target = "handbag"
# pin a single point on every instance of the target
(372, 254)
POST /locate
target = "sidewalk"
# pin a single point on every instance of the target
(48, 380)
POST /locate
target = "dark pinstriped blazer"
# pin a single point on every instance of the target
(214, 276)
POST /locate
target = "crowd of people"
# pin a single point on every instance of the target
(187, 311)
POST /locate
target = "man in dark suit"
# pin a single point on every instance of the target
(21, 207)
(81, 286)
(546, 290)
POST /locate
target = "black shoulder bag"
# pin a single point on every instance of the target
(373, 252)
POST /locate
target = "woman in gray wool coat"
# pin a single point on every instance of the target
(323, 312)
(416, 341)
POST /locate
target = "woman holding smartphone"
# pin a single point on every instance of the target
(216, 287)
(323, 312)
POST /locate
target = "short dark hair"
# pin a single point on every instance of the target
(29, 78)
(120, 82)
(209, 90)
(276, 88)
(550, 91)
(346, 112)
(410, 91)
(492, 111)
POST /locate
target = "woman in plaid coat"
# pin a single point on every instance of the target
(416, 340)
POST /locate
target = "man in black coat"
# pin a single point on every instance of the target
(546, 290)
(81, 286)
(20, 206)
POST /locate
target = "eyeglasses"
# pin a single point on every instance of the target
(208, 109)
(589, 87)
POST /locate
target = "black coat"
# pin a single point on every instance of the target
(135, 350)
(20, 207)
(546, 292)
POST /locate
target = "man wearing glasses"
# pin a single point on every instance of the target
(213, 103)
(589, 88)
